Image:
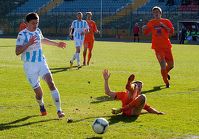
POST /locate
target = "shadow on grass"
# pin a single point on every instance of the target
(107, 98)
(121, 118)
(113, 118)
(62, 69)
(94, 138)
(10, 125)
(7, 46)
(102, 99)
(155, 88)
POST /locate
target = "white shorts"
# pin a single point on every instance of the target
(78, 43)
(35, 70)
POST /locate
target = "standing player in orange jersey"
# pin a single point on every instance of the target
(132, 100)
(161, 28)
(89, 38)
(22, 25)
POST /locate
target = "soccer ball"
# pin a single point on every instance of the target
(100, 125)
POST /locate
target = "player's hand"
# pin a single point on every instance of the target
(106, 74)
(61, 44)
(144, 27)
(82, 33)
(98, 32)
(32, 40)
(131, 78)
(162, 24)
(70, 35)
(116, 110)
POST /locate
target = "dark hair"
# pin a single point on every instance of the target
(31, 16)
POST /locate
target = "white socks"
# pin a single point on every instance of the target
(76, 56)
(56, 99)
(40, 102)
(78, 59)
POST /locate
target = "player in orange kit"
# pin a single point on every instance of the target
(22, 25)
(161, 28)
(132, 100)
(89, 38)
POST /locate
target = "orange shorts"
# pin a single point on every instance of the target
(164, 54)
(89, 44)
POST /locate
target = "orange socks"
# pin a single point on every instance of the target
(89, 56)
(164, 76)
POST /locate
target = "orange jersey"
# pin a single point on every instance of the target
(160, 36)
(123, 96)
(22, 26)
(92, 29)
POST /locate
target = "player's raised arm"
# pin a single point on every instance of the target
(53, 43)
(106, 76)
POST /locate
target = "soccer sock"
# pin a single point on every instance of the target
(164, 76)
(40, 102)
(89, 56)
(74, 57)
(56, 98)
(84, 55)
(168, 68)
(78, 58)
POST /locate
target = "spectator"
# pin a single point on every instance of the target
(182, 35)
(136, 31)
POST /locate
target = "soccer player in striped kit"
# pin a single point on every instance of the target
(80, 29)
(29, 45)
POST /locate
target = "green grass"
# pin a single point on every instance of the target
(84, 102)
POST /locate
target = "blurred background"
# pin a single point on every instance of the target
(115, 18)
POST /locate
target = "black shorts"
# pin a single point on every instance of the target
(136, 35)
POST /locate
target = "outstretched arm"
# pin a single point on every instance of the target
(49, 42)
(106, 76)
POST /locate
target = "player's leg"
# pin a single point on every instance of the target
(39, 97)
(75, 54)
(90, 48)
(161, 59)
(78, 55)
(169, 61)
(31, 70)
(46, 75)
(85, 52)
(137, 105)
(55, 94)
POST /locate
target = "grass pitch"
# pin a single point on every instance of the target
(83, 98)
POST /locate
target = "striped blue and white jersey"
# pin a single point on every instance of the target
(34, 52)
(79, 27)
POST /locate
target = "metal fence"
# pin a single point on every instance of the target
(57, 24)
